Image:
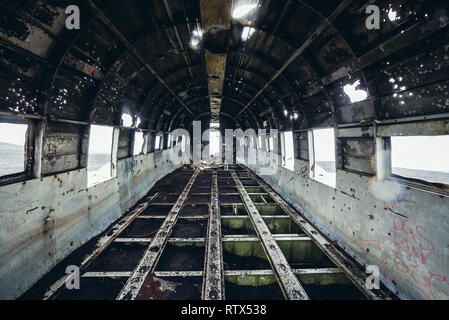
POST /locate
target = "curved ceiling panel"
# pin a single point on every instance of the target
(287, 63)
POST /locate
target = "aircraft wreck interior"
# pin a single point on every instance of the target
(322, 129)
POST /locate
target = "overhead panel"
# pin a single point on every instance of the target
(216, 21)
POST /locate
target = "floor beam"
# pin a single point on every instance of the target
(148, 262)
(213, 282)
(101, 244)
(288, 281)
(337, 256)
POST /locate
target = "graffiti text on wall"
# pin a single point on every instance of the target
(406, 251)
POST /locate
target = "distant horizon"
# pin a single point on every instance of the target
(13, 144)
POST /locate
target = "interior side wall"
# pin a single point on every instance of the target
(44, 220)
(405, 236)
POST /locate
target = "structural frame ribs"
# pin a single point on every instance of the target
(289, 283)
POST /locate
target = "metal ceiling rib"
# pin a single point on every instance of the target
(134, 52)
(217, 15)
(313, 36)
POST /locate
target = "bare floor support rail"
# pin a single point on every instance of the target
(347, 265)
(213, 282)
(290, 285)
(102, 243)
(257, 249)
(154, 250)
(241, 273)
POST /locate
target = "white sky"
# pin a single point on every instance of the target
(100, 140)
(13, 133)
(288, 140)
(355, 94)
(289, 152)
(138, 143)
(423, 153)
(324, 144)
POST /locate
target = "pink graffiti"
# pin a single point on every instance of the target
(412, 251)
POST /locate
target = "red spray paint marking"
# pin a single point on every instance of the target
(412, 250)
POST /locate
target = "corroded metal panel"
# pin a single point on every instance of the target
(32, 215)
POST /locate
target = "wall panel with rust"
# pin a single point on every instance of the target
(44, 220)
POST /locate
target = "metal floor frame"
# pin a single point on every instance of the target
(242, 219)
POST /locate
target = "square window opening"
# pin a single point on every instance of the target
(13, 148)
(424, 158)
(100, 155)
(288, 157)
(324, 166)
(138, 143)
(157, 144)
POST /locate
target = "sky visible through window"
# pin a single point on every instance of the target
(289, 158)
(421, 153)
(12, 148)
(138, 143)
(324, 152)
(100, 153)
(324, 145)
(13, 133)
(421, 157)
